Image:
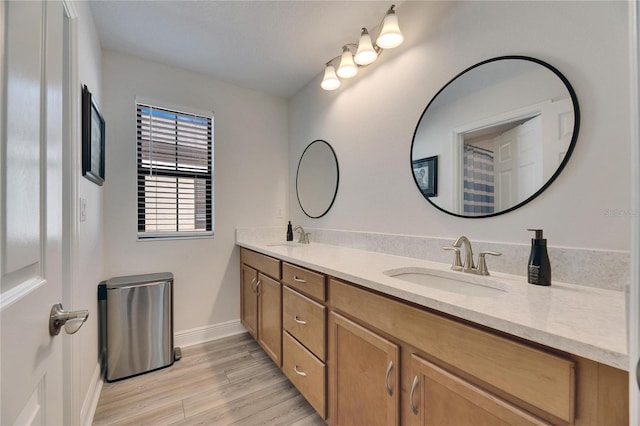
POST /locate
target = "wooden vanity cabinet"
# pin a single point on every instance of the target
(261, 301)
(464, 371)
(304, 321)
(249, 300)
(364, 358)
(364, 384)
(270, 317)
(439, 397)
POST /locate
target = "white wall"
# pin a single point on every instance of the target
(251, 177)
(370, 121)
(89, 239)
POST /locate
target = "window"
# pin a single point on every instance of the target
(175, 173)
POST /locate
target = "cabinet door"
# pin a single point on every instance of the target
(249, 300)
(364, 381)
(270, 317)
(438, 397)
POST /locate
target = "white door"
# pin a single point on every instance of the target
(558, 123)
(518, 163)
(30, 215)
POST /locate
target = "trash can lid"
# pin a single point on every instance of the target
(139, 279)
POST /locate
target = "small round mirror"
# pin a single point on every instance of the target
(495, 137)
(317, 179)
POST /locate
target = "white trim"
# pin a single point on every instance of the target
(73, 397)
(11, 296)
(91, 398)
(633, 297)
(503, 118)
(207, 333)
(174, 107)
(70, 9)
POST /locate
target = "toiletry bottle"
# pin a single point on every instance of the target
(289, 232)
(539, 271)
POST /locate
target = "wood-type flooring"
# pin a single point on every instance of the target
(230, 381)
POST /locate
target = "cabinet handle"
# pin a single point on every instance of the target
(386, 379)
(258, 287)
(302, 373)
(252, 285)
(298, 320)
(414, 410)
(300, 280)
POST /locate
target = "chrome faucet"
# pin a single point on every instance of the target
(463, 241)
(304, 236)
(468, 265)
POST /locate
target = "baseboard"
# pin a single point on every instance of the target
(207, 333)
(90, 402)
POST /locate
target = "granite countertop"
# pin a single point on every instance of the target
(584, 321)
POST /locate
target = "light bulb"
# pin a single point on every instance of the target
(347, 68)
(390, 35)
(365, 54)
(330, 80)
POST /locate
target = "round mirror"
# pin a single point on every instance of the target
(317, 179)
(495, 137)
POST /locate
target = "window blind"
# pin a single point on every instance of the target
(175, 173)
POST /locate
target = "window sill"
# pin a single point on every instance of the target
(147, 238)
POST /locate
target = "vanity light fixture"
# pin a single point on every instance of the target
(348, 67)
(366, 52)
(330, 80)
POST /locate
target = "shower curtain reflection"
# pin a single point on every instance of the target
(479, 189)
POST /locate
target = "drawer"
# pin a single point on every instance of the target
(305, 371)
(262, 263)
(308, 282)
(542, 379)
(304, 319)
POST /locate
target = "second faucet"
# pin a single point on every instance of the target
(468, 264)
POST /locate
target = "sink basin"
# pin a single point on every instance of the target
(286, 244)
(452, 282)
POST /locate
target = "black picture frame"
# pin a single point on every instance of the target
(93, 139)
(425, 173)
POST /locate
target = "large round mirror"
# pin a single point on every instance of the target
(495, 137)
(317, 179)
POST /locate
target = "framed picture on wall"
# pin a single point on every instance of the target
(93, 128)
(425, 172)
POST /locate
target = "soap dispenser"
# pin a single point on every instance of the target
(289, 232)
(539, 270)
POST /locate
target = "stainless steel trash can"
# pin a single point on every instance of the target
(139, 324)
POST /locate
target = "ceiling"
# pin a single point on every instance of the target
(272, 46)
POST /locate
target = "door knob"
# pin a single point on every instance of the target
(71, 320)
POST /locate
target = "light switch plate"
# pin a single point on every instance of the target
(83, 210)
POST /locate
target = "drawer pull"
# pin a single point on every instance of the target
(414, 410)
(300, 372)
(298, 320)
(386, 379)
(299, 280)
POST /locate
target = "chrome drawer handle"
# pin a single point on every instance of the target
(298, 320)
(386, 379)
(302, 373)
(414, 410)
(300, 280)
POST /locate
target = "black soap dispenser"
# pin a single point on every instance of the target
(539, 270)
(289, 232)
